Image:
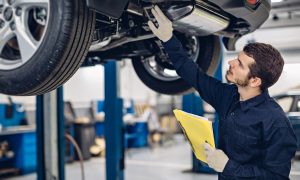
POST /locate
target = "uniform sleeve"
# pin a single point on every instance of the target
(211, 90)
(280, 147)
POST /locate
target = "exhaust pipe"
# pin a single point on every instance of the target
(201, 20)
(194, 18)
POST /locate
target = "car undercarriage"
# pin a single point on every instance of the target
(36, 38)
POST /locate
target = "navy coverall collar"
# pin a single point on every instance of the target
(252, 102)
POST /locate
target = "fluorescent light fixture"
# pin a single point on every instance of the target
(276, 1)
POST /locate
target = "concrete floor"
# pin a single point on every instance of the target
(159, 163)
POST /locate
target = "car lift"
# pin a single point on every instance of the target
(50, 130)
(113, 125)
(50, 135)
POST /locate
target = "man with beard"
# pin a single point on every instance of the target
(256, 140)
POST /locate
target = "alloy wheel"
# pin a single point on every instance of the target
(22, 28)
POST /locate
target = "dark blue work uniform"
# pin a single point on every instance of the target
(255, 134)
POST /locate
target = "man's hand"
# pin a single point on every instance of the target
(164, 31)
(216, 158)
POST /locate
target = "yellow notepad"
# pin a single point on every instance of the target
(197, 130)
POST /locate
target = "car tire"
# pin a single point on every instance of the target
(65, 43)
(207, 59)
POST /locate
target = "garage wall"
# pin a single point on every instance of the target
(86, 85)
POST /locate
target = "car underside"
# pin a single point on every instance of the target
(194, 18)
(36, 38)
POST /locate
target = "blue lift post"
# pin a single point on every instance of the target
(194, 104)
(113, 124)
(50, 136)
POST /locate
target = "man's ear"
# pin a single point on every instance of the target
(255, 82)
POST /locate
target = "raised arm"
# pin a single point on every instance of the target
(211, 90)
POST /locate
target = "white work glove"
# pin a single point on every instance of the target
(216, 158)
(164, 31)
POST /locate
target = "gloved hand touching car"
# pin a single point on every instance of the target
(164, 31)
(216, 158)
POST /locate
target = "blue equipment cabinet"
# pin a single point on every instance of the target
(11, 114)
(22, 141)
(136, 135)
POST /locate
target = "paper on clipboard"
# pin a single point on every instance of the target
(197, 130)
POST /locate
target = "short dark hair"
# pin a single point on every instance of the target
(268, 63)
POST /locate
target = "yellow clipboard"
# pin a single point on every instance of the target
(197, 130)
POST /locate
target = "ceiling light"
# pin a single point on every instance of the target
(276, 1)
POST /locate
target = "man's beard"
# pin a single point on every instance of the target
(239, 82)
(242, 83)
(226, 76)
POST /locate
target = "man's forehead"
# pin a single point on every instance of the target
(245, 58)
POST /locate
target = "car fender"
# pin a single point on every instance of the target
(112, 8)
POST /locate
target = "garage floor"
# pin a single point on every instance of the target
(160, 163)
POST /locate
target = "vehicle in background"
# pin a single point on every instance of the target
(290, 103)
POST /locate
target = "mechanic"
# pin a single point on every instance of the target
(256, 139)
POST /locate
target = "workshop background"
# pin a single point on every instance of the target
(154, 146)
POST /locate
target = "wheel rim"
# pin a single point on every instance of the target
(163, 71)
(22, 29)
